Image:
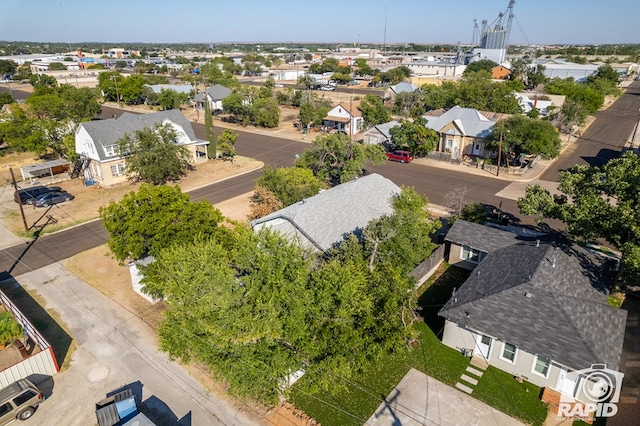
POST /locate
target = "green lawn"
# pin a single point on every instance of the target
(360, 396)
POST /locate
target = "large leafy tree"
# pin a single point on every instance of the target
(170, 99)
(265, 112)
(153, 156)
(481, 65)
(156, 217)
(374, 111)
(415, 136)
(523, 135)
(290, 184)
(596, 202)
(335, 158)
(7, 67)
(131, 89)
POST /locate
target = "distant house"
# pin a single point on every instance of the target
(348, 120)
(530, 101)
(214, 95)
(380, 134)
(403, 87)
(462, 131)
(326, 219)
(96, 142)
(535, 310)
(500, 72)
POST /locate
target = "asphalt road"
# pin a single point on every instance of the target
(602, 140)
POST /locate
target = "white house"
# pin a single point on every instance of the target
(348, 120)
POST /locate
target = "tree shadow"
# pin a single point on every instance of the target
(602, 158)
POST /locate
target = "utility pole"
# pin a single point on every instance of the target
(115, 81)
(500, 149)
(17, 197)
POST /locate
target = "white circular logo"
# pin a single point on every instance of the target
(598, 386)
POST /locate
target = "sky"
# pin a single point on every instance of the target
(536, 22)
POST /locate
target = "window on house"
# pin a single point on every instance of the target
(509, 352)
(110, 150)
(470, 254)
(541, 365)
(117, 169)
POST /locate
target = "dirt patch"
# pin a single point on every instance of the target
(89, 199)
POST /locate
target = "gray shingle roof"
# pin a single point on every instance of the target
(327, 218)
(218, 92)
(180, 88)
(404, 87)
(546, 300)
(468, 120)
(108, 132)
(385, 128)
(479, 237)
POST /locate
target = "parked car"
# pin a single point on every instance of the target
(401, 156)
(27, 195)
(19, 401)
(328, 87)
(52, 198)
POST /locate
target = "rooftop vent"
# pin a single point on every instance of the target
(528, 295)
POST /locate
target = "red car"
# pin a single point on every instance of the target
(401, 156)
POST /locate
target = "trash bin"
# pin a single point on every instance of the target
(304, 131)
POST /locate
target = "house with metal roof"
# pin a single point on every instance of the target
(463, 131)
(180, 88)
(325, 220)
(380, 134)
(96, 142)
(535, 310)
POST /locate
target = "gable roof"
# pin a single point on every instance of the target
(327, 218)
(385, 128)
(218, 92)
(108, 132)
(480, 237)
(546, 300)
(403, 87)
(469, 121)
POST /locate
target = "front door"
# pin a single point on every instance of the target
(483, 344)
(476, 148)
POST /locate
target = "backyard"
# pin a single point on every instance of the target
(358, 397)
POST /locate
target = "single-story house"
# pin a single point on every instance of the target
(529, 101)
(325, 220)
(403, 87)
(348, 120)
(214, 95)
(380, 134)
(96, 142)
(462, 131)
(535, 310)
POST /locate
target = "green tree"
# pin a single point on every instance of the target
(153, 156)
(481, 65)
(307, 81)
(155, 218)
(524, 135)
(107, 82)
(226, 143)
(374, 111)
(290, 184)
(237, 105)
(131, 89)
(212, 148)
(596, 202)
(335, 158)
(7, 67)
(265, 112)
(170, 99)
(5, 98)
(415, 136)
(41, 80)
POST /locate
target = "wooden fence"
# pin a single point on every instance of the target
(424, 270)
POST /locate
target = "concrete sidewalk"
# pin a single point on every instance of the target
(422, 400)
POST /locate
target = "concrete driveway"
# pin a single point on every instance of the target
(115, 348)
(422, 400)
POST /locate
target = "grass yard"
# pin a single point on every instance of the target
(357, 398)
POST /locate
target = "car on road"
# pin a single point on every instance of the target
(51, 198)
(27, 195)
(327, 87)
(19, 401)
(401, 156)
